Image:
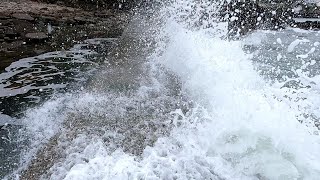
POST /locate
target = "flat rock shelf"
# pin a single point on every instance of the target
(29, 28)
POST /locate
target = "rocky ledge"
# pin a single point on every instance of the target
(28, 28)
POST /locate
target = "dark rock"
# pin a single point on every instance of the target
(48, 18)
(11, 33)
(39, 51)
(4, 17)
(6, 38)
(85, 20)
(22, 28)
(22, 16)
(44, 9)
(60, 3)
(66, 20)
(10, 46)
(104, 14)
(95, 4)
(37, 36)
(14, 45)
(11, 38)
(6, 22)
(81, 20)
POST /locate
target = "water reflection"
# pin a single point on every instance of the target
(31, 80)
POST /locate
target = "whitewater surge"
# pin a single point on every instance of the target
(198, 110)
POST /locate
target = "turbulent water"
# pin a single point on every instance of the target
(176, 99)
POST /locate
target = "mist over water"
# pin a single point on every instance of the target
(178, 100)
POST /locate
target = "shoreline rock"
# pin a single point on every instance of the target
(26, 26)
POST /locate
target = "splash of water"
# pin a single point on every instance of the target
(215, 118)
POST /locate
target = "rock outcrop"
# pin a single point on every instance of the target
(26, 26)
(89, 4)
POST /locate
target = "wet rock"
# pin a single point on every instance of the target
(11, 33)
(51, 26)
(94, 4)
(39, 51)
(66, 20)
(14, 45)
(83, 20)
(2, 16)
(48, 18)
(23, 16)
(8, 47)
(37, 36)
(103, 14)
(6, 22)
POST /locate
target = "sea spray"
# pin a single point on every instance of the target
(208, 113)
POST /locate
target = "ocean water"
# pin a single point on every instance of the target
(177, 99)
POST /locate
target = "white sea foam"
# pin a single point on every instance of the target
(246, 132)
(244, 108)
(241, 127)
